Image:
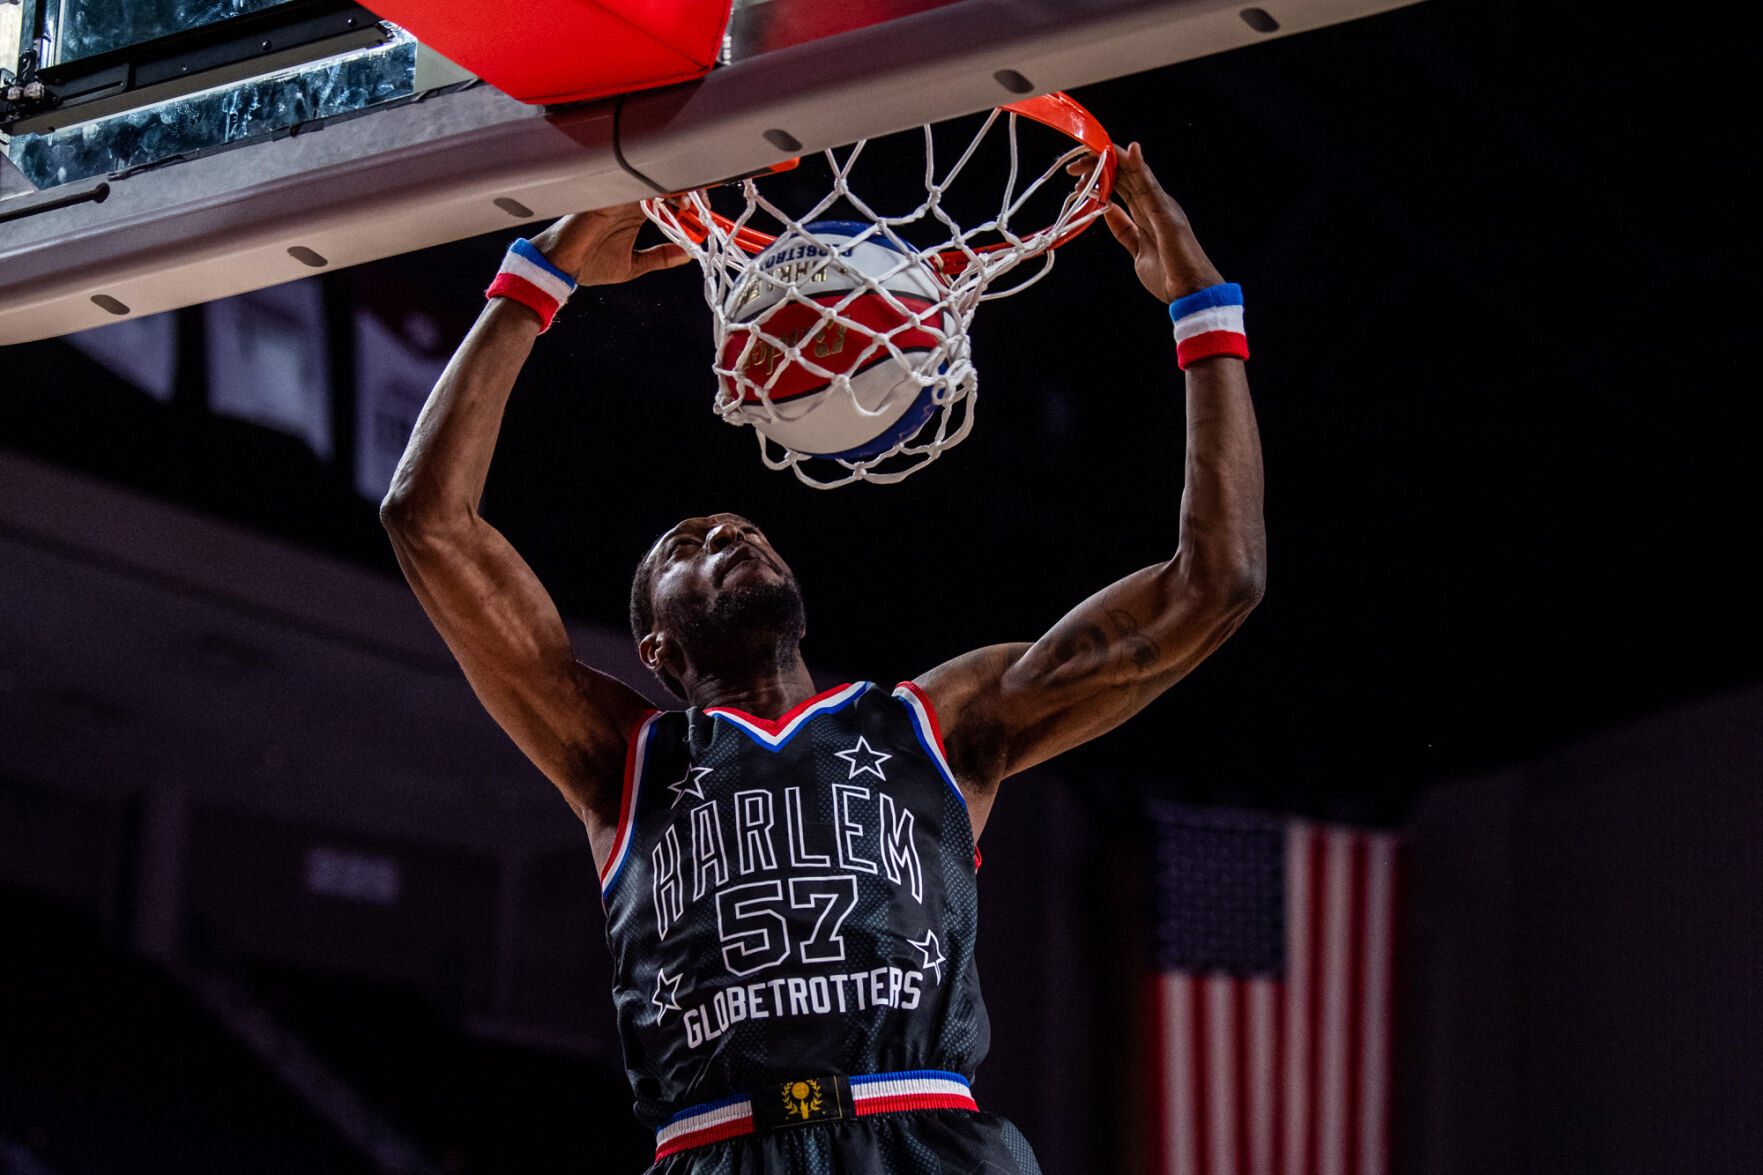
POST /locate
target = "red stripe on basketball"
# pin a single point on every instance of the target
(850, 344)
(912, 302)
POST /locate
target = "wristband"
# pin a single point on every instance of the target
(1209, 322)
(535, 283)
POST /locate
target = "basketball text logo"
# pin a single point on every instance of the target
(827, 341)
(787, 274)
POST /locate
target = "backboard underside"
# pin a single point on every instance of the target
(464, 159)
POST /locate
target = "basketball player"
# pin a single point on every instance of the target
(789, 876)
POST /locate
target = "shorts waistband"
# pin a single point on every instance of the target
(806, 1101)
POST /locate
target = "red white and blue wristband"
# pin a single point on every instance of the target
(808, 1101)
(1209, 322)
(535, 283)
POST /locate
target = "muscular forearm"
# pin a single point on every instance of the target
(1009, 707)
(1223, 542)
(441, 476)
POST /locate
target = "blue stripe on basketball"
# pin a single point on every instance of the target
(852, 228)
(910, 422)
(1227, 294)
(921, 408)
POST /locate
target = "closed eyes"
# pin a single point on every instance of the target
(679, 542)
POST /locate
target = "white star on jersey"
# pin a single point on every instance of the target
(930, 947)
(864, 757)
(690, 784)
(669, 1002)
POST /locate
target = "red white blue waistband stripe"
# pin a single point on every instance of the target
(711, 1122)
(1209, 322)
(871, 1093)
(916, 1089)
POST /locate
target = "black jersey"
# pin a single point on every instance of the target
(791, 896)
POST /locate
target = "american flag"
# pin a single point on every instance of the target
(1275, 949)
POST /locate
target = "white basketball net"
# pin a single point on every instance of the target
(979, 255)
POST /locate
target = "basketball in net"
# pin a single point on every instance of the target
(834, 343)
(841, 335)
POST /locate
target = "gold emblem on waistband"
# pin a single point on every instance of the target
(802, 1099)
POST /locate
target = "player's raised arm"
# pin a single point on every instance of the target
(570, 720)
(1008, 707)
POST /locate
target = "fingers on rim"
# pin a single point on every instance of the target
(655, 257)
(1132, 186)
(1120, 223)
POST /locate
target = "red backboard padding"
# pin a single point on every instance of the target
(569, 50)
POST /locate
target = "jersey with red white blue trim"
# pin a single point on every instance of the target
(791, 897)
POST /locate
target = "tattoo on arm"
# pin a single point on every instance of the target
(1121, 656)
(1135, 646)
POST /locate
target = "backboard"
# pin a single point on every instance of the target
(361, 142)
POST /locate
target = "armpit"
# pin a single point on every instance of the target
(596, 777)
(980, 758)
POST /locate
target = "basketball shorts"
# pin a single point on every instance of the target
(912, 1142)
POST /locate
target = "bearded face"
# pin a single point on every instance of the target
(770, 610)
(718, 599)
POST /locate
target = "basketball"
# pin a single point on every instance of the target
(845, 393)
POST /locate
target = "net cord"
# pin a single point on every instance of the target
(945, 369)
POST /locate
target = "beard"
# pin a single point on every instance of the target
(748, 626)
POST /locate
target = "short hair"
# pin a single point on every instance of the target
(642, 612)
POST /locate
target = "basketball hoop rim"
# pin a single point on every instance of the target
(1057, 110)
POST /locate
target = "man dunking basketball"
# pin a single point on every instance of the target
(789, 877)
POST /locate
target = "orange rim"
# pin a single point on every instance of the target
(1057, 110)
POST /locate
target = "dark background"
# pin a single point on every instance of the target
(1501, 283)
(1500, 278)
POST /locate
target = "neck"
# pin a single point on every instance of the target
(766, 694)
